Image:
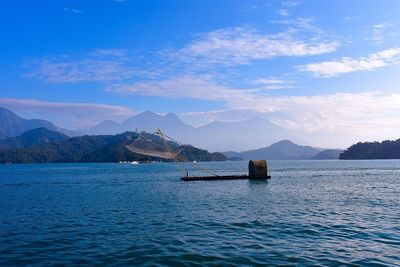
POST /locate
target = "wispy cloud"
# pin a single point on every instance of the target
(270, 80)
(286, 7)
(301, 113)
(273, 87)
(69, 115)
(382, 32)
(319, 116)
(111, 52)
(202, 118)
(320, 113)
(204, 54)
(202, 87)
(272, 83)
(73, 10)
(284, 12)
(99, 65)
(350, 18)
(344, 65)
(291, 4)
(242, 45)
(251, 8)
(307, 114)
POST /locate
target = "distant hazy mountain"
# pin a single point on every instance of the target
(13, 125)
(106, 127)
(2, 135)
(282, 150)
(373, 150)
(149, 121)
(95, 148)
(33, 137)
(216, 136)
(328, 154)
(239, 135)
(146, 121)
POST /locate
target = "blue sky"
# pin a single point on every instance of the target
(321, 67)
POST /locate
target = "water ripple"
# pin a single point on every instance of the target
(320, 213)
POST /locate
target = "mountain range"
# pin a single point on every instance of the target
(43, 145)
(283, 150)
(12, 125)
(215, 136)
(145, 121)
(93, 148)
(35, 140)
(2, 135)
(33, 137)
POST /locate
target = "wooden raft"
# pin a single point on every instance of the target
(257, 171)
(222, 177)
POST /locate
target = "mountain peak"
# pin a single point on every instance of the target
(42, 130)
(5, 110)
(13, 125)
(32, 137)
(2, 135)
(284, 142)
(6, 113)
(171, 115)
(147, 113)
(282, 150)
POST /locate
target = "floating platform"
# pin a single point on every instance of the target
(223, 177)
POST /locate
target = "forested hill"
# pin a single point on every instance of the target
(33, 137)
(95, 148)
(373, 150)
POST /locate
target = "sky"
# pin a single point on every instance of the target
(327, 68)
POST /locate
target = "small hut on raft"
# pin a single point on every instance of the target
(258, 169)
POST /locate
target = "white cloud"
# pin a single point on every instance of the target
(272, 83)
(383, 32)
(99, 65)
(327, 120)
(113, 52)
(187, 86)
(346, 64)
(252, 8)
(205, 52)
(336, 114)
(273, 87)
(284, 12)
(73, 10)
(286, 7)
(350, 18)
(271, 80)
(291, 4)
(367, 116)
(242, 45)
(224, 115)
(69, 115)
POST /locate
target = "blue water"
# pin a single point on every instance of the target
(309, 213)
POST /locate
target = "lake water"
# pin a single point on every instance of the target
(309, 213)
